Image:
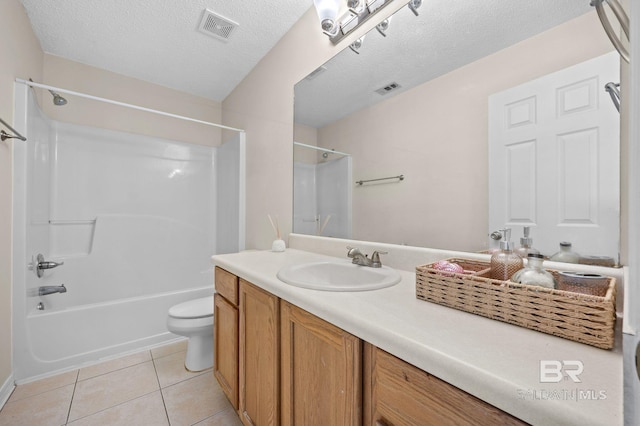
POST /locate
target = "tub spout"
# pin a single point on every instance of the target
(43, 291)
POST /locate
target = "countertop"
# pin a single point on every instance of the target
(494, 361)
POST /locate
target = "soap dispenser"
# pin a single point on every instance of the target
(526, 245)
(506, 262)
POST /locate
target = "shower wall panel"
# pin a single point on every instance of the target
(322, 198)
(305, 209)
(132, 217)
(230, 208)
(333, 180)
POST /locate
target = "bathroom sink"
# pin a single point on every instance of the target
(338, 276)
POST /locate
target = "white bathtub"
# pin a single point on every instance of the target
(67, 338)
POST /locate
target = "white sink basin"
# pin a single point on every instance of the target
(338, 276)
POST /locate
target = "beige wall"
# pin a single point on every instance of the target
(262, 104)
(82, 78)
(437, 136)
(20, 55)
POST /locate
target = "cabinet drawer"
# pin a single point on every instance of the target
(401, 394)
(226, 285)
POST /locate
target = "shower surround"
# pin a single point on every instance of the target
(133, 218)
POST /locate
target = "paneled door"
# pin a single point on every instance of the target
(321, 371)
(554, 148)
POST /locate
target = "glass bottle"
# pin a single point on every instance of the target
(526, 244)
(534, 274)
(565, 254)
(505, 263)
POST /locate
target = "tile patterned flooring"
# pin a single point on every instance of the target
(149, 388)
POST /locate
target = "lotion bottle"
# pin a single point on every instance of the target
(566, 254)
(506, 262)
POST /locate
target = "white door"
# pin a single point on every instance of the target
(554, 159)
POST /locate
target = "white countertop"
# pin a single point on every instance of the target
(497, 362)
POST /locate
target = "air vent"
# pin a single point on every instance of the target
(217, 26)
(388, 88)
(316, 72)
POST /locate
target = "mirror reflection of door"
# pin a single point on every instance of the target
(554, 159)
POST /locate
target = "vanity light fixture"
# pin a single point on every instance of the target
(359, 12)
(414, 5)
(356, 45)
(383, 26)
(327, 13)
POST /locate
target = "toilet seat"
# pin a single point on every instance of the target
(196, 308)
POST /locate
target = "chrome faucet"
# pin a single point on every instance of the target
(363, 260)
(43, 291)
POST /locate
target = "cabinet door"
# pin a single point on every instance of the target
(321, 371)
(259, 356)
(225, 355)
(399, 394)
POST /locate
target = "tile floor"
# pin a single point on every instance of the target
(149, 388)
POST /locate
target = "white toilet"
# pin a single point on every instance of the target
(194, 319)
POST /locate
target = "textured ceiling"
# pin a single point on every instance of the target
(446, 35)
(158, 40)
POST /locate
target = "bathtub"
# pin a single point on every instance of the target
(65, 339)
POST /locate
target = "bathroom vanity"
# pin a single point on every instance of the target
(286, 355)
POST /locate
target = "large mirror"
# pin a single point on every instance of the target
(402, 123)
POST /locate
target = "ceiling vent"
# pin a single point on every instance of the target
(217, 26)
(388, 88)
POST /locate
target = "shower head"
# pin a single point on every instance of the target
(57, 99)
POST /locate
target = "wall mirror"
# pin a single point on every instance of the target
(410, 102)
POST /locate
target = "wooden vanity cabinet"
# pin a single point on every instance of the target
(259, 356)
(399, 394)
(321, 371)
(281, 365)
(225, 323)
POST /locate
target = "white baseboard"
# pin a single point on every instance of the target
(5, 390)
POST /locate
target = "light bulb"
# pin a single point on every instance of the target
(327, 12)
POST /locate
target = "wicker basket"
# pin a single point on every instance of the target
(580, 317)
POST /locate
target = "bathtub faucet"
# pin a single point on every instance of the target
(39, 265)
(50, 289)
